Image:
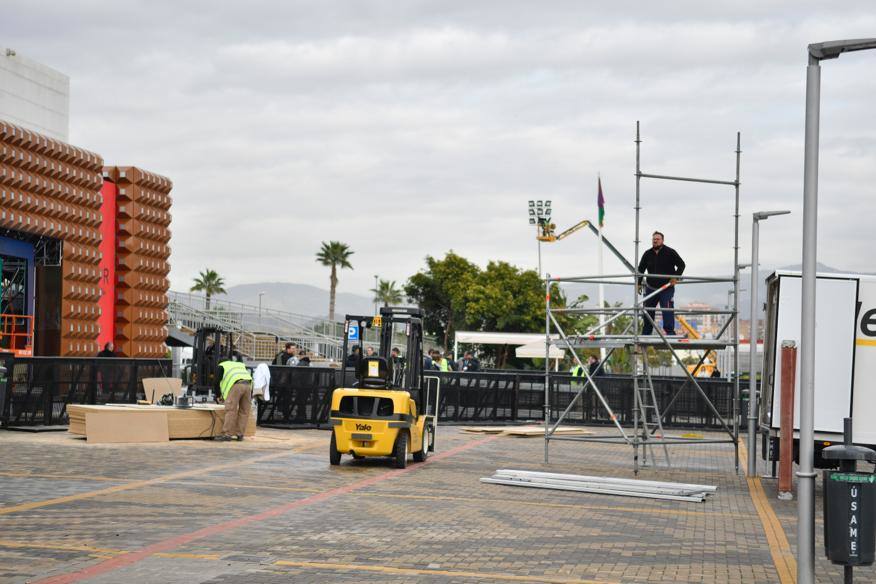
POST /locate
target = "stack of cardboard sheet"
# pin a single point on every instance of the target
(148, 423)
(525, 431)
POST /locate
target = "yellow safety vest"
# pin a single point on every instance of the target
(232, 372)
(577, 371)
(443, 365)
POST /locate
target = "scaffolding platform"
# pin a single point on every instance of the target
(681, 343)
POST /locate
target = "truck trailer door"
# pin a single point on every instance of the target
(836, 300)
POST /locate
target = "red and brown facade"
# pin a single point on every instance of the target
(112, 223)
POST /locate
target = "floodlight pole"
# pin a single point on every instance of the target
(806, 475)
(753, 335)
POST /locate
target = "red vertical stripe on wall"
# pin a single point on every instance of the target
(107, 320)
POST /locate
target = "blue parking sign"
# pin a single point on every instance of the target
(353, 333)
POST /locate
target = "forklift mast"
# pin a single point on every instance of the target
(410, 375)
(212, 346)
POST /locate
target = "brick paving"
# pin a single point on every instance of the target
(67, 507)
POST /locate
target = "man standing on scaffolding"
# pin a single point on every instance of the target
(660, 259)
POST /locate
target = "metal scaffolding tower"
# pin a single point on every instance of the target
(648, 415)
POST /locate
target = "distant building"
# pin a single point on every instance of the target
(33, 96)
(708, 325)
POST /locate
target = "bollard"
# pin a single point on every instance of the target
(786, 420)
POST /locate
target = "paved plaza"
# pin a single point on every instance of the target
(272, 510)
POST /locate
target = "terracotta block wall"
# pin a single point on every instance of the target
(51, 188)
(142, 260)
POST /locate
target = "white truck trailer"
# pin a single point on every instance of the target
(845, 358)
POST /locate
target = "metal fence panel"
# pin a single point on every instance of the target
(38, 389)
(301, 397)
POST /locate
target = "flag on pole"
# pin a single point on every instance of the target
(600, 202)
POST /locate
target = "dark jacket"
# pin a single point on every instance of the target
(664, 261)
(352, 360)
(282, 357)
(106, 353)
(470, 365)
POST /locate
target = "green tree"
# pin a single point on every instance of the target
(440, 291)
(334, 254)
(210, 283)
(387, 293)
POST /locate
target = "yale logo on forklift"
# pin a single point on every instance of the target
(363, 427)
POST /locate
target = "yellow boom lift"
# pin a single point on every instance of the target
(710, 362)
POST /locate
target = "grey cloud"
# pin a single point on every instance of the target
(409, 128)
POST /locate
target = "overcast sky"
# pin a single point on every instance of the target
(407, 128)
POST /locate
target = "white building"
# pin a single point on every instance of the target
(34, 96)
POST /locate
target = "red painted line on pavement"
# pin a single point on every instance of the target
(130, 558)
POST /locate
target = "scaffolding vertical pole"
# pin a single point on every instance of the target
(736, 306)
(547, 362)
(635, 347)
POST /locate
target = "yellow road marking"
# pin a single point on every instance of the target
(139, 484)
(426, 572)
(780, 549)
(561, 505)
(58, 546)
(250, 487)
(34, 475)
(866, 342)
(96, 551)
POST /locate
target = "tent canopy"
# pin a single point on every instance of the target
(529, 345)
(536, 351)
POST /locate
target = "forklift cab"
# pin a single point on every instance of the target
(390, 408)
(212, 346)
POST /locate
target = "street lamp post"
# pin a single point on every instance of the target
(806, 475)
(756, 218)
(260, 308)
(376, 288)
(539, 215)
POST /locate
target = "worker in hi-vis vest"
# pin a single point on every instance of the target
(576, 371)
(235, 386)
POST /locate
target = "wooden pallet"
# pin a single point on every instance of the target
(145, 423)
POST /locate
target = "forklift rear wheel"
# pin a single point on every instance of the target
(401, 450)
(334, 455)
(423, 454)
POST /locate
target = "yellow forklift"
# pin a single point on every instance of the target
(389, 407)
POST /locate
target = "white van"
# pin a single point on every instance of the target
(845, 358)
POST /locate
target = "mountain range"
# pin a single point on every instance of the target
(299, 298)
(313, 301)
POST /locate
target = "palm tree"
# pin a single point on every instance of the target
(387, 293)
(334, 254)
(210, 283)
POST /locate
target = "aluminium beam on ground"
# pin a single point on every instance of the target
(639, 313)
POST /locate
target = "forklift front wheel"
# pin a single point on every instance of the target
(401, 450)
(334, 455)
(423, 454)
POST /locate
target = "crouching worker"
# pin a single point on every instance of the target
(235, 386)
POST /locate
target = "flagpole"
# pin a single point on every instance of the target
(601, 285)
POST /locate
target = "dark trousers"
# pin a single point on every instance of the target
(664, 299)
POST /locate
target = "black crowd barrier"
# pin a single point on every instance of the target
(301, 397)
(38, 389)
